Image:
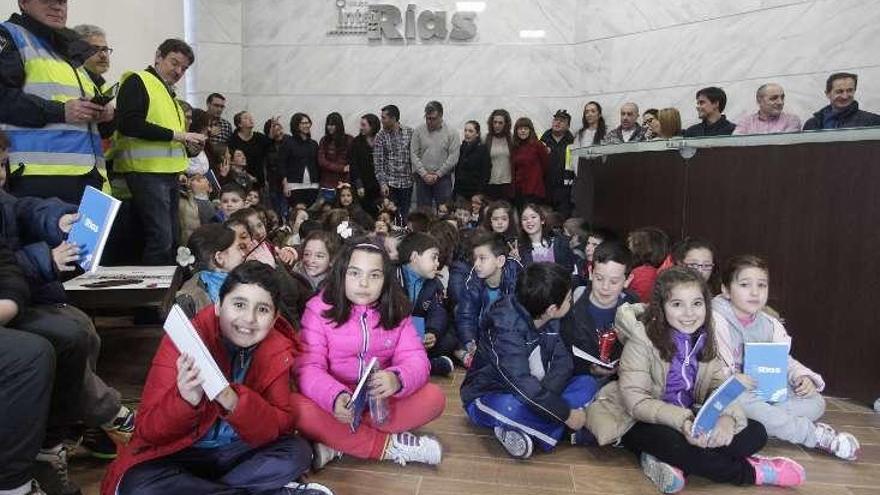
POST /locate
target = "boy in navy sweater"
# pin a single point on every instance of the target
(520, 383)
(419, 257)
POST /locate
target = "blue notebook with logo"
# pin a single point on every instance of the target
(767, 364)
(722, 397)
(90, 232)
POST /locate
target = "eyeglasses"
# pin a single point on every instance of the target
(103, 49)
(703, 267)
(54, 2)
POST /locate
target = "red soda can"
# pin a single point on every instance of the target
(606, 344)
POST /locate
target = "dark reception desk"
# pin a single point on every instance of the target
(809, 203)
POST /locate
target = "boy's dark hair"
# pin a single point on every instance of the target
(417, 242)
(418, 221)
(654, 316)
(257, 273)
(392, 112)
(840, 75)
(233, 188)
(447, 238)
(495, 242)
(603, 233)
(542, 285)
(208, 240)
(714, 95)
(211, 97)
(179, 46)
(308, 227)
(613, 251)
(739, 263)
(649, 246)
(393, 305)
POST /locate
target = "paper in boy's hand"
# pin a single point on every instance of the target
(358, 402)
(187, 340)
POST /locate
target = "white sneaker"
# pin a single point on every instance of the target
(667, 478)
(516, 443)
(322, 455)
(297, 488)
(407, 447)
(841, 444)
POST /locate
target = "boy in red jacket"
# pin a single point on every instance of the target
(239, 442)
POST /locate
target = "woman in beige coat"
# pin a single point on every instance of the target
(669, 366)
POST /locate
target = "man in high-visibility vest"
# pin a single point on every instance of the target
(150, 146)
(45, 106)
(96, 66)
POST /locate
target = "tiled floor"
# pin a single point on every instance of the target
(474, 463)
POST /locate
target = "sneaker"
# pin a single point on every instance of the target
(51, 471)
(122, 426)
(408, 447)
(841, 444)
(29, 488)
(99, 444)
(35, 489)
(777, 471)
(442, 366)
(322, 454)
(516, 443)
(297, 488)
(667, 478)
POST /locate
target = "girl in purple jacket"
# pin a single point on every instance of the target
(363, 313)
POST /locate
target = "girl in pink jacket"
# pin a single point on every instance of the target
(363, 313)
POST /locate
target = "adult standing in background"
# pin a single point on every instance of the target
(499, 142)
(670, 123)
(96, 66)
(529, 161)
(391, 156)
(629, 130)
(842, 110)
(593, 127)
(298, 159)
(434, 151)
(652, 125)
(220, 130)
(44, 105)
(710, 105)
(274, 131)
(363, 170)
(151, 146)
(769, 118)
(253, 144)
(559, 177)
(334, 156)
(474, 164)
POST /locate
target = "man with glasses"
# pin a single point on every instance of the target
(97, 65)
(46, 107)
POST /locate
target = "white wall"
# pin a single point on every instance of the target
(274, 57)
(134, 27)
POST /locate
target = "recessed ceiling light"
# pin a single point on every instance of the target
(470, 6)
(532, 33)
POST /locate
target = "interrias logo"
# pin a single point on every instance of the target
(380, 21)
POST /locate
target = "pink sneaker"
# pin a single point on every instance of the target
(777, 471)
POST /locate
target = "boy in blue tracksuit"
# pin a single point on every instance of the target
(520, 383)
(419, 257)
(494, 275)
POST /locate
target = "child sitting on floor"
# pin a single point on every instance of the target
(363, 313)
(740, 318)
(214, 252)
(238, 442)
(649, 246)
(319, 248)
(520, 383)
(668, 366)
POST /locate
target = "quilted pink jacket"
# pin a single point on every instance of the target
(333, 357)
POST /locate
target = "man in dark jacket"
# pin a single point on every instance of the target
(843, 109)
(710, 105)
(419, 256)
(520, 383)
(559, 177)
(594, 307)
(33, 411)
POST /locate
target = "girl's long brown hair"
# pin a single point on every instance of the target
(654, 317)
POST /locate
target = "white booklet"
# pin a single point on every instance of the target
(187, 340)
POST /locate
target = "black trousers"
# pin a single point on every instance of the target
(722, 465)
(27, 368)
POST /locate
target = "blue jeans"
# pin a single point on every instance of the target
(232, 469)
(507, 411)
(402, 197)
(432, 195)
(156, 198)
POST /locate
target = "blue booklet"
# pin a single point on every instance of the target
(767, 364)
(359, 398)
(419, 323)
(722, 397)
(96, 214)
